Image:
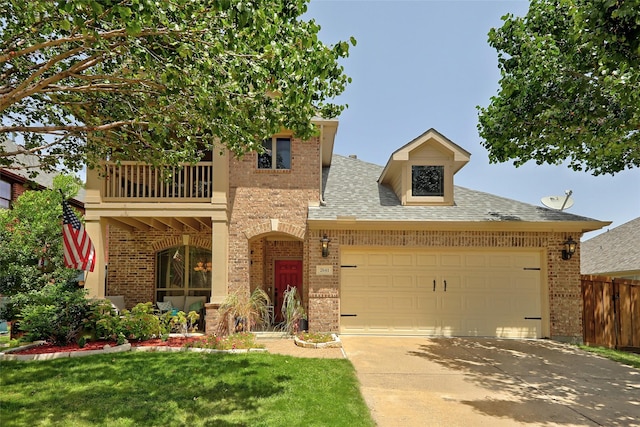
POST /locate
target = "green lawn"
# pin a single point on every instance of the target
(6, 342)
(181, 389)
(628, 358)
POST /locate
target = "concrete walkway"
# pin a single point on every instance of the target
(415, 381)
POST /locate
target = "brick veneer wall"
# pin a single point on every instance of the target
(257, 263)
(565, 291)
(269, 202)
(17, 190)
(565, 300)
(132, 260)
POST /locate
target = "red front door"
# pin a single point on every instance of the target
(287, 272)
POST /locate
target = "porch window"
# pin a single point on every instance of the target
(183, 271)
(276, 155)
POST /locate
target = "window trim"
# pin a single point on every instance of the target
(274, 148)
(188, 287)
(10, 186)
(439, 169)
(445, 199)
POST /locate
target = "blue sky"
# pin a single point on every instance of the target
(427, 64)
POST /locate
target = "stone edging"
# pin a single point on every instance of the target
(336, 343)
(50, 356)
(116, 349)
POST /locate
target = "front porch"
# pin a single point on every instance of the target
(170, 265)
(159, 232)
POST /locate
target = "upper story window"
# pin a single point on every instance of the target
(5, 194)
(427, 184)
(276, 155)
(427, 180)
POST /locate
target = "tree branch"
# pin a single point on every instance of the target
(89, 40)
(121, 88)
(74, 129)
(12, 96)
(144, 82)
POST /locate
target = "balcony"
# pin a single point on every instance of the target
(139, 182)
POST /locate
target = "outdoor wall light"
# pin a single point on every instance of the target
(569, 248)
(325, 246)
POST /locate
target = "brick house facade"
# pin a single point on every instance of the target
(254, 221)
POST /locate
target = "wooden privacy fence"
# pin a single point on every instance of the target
(611, 312)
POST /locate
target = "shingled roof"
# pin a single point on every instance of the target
(351, 190)
(614, 252)
(29, 163)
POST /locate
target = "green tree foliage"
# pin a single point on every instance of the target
(570, 86)
(43, 297)
(31, 232)
(160, 81)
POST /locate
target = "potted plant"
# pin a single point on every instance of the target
(185, 323)
(293, 312)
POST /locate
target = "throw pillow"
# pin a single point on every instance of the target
(196, 306)
(164, 306)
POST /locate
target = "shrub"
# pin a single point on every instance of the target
(240, 312)
(36, 321)
(165, 323)
(140, 323)
(103, 321)
(55, 313)
(292, 310)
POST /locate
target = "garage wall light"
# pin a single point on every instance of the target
(325, 245)
(569, 248)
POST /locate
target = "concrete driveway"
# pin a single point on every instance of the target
(416, 381)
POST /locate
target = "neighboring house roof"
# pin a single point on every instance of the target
(351, 193)
(42, 179)
(614, 251)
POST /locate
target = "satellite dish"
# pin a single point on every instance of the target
(559, 203)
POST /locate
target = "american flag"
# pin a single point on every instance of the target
(79, 252)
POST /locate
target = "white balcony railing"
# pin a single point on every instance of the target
(132, 181)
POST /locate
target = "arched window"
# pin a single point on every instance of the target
(183, 270)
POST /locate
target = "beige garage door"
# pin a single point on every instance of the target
(449, 293)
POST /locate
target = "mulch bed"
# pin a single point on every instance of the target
(99, 345)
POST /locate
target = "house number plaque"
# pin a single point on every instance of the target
(324, 270)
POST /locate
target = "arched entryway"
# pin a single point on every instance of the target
(277, 261)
